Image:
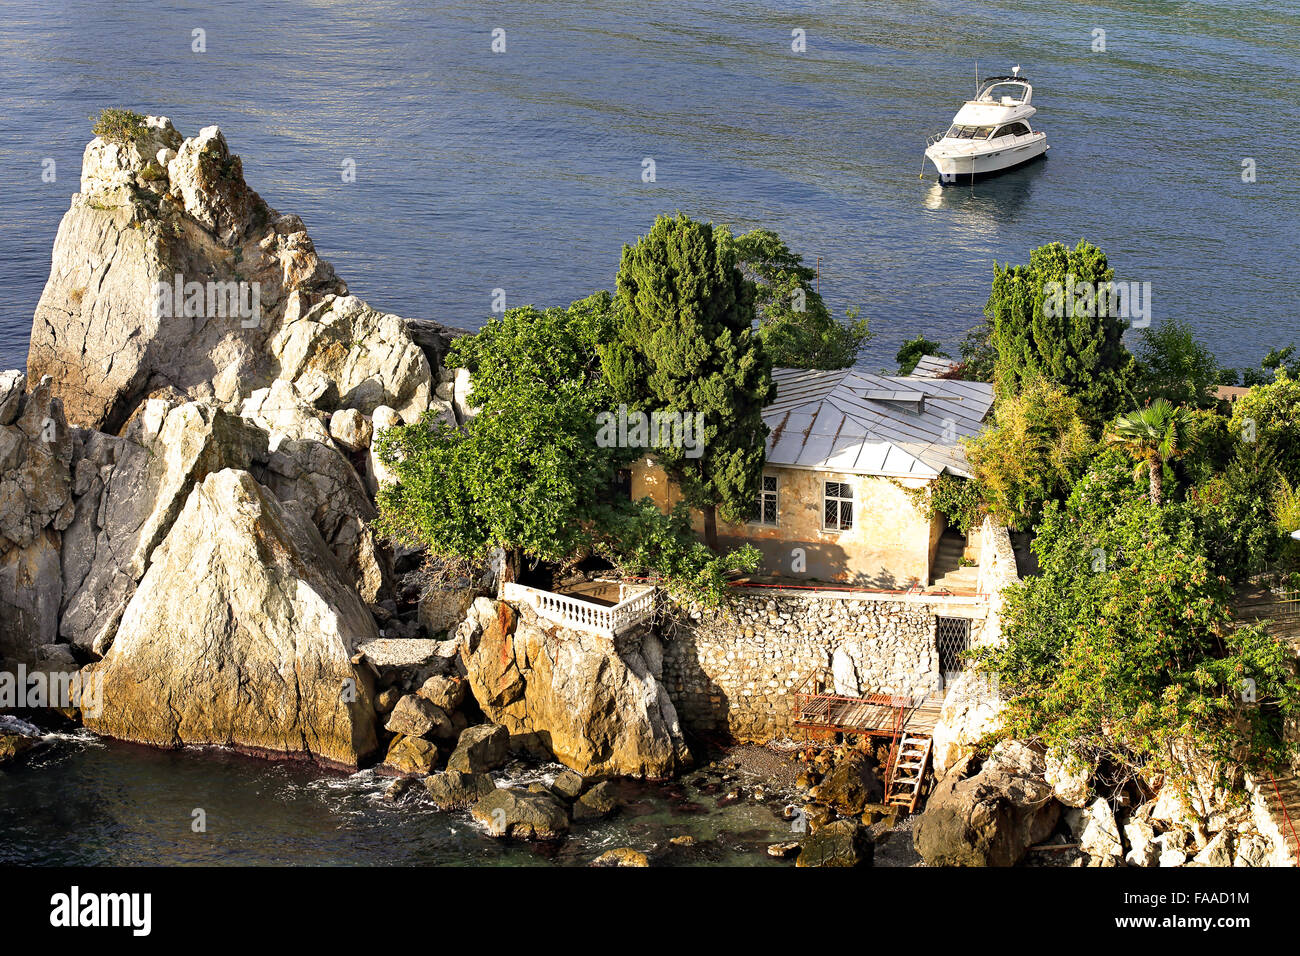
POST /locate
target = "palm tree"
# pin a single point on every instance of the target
(1153, 435)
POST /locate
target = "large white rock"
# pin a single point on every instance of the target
(1100, 837)
(368, 354)
(132, 489)
(245, 626)
(109, 340)
(594, 705)
(1070, 777)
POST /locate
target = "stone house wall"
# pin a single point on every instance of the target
(890, 546)
(735, 671)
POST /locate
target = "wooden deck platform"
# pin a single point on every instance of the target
(875, 713)
(1278, 612)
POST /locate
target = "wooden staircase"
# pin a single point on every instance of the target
(908, 771)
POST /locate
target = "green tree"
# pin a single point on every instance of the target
(1233, 511)
(1052, 318)
(686, 345)
(528, 473)
(1038, 445)
(525, 474)
(1271, 413)
(796, 328)
(978, 356)
(1173, 365)
(913, 351)
(1123, 647)
(1154, 436)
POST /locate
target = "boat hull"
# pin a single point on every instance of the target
(964, 168)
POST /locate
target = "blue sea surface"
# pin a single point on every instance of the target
(522, 170)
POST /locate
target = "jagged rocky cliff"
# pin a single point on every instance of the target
(187, 490)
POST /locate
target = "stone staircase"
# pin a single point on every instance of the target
(947, 571)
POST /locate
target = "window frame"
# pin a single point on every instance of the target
(840, 500)
(776, 502)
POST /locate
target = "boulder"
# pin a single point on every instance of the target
(35, 467)
(971, 710)
(600, 801)
(522, 815)
(383, 418)
(179, 275)
(622, 856)
(245, 625)
(350, 429)
(841, 843)
(987, 816)
(36, 451)
(13, 385)
(1143, 849)
(31, 590)
(110, 327)
(1098, 834)
(1070, 777)
(411, 755)
(444, 691)
(453, 790)
(851, 784)
(13, 746)
(568, 784)
(599, 707)
(442, 609)
(416, 717)
(303, 464)
(1218, 852)
(369, 355)
(480, 749)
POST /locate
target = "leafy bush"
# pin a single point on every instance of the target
(959, 500)
(644, 542)
(1039, 444)
(1271, 413)
(120, 126)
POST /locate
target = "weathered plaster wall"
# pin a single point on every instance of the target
(735, 671)
(891, 544)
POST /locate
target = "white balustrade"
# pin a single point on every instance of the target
(583, 615)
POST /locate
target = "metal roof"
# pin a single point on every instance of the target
(933, 366)
(854, 422)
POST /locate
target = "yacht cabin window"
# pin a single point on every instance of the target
(970, 132)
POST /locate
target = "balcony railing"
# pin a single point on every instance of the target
(635, 606)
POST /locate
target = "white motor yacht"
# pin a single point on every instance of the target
(990, 133)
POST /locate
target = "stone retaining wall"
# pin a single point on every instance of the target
(735, 670)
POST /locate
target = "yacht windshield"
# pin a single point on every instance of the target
(1009, 93)
(970, 132)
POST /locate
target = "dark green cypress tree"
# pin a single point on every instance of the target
(686, 344)
(1061, 338)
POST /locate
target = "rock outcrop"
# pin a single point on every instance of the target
(169, 271)
(36, 450)
(594, 705)
(245, 626)
(988, 816)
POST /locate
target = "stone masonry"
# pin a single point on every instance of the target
(734, 671)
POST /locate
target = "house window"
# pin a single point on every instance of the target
(766, 510)
(837, 511)
(952, 640)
